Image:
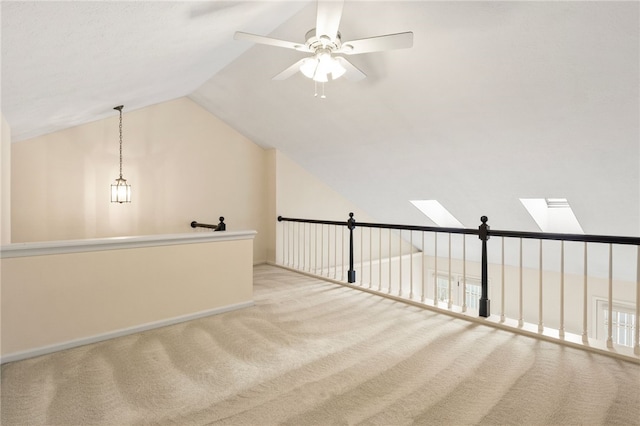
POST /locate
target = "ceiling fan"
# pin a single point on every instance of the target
(325, 43)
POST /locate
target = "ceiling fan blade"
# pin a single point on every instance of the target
(270, 41)
(289, 71)
(377, 44)
(328, 18)
(352, 72)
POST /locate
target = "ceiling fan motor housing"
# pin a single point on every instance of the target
(314, 43)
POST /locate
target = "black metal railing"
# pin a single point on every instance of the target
(351, 225)
(219, 227)
(484, 233)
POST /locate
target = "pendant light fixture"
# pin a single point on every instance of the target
(120, 190)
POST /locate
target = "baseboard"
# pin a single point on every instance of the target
(17, 356)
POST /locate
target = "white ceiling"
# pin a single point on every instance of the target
(495, 102)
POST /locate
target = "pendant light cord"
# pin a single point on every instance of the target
(120, 143)
(119, 108)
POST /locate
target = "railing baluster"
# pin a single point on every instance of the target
(610, 313)
(315, 248)
(521, 295)
(321, 250)
(484, 310)
(326, 267)
(335, 252)
(561, 331)
(435, 270)
(362, 257)
(284, 259)
(400, 264)
(327, 270)
(292, 238)
(303, 265)
(309, 248)
(502, 284)
(288, 261)
(389, 289)
(370, 257)
(423, 267)
(304, 247)
(351, 225)
(289, 251)
(540, 323)
(344, 260)
(299, 249)
(464, 273)
(585, 333)
(380, 259)
(449, 292)
(636, 348)
(411, 265)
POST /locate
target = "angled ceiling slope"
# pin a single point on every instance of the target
(65, 63)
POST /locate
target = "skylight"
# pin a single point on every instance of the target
(437, 213)
(553, 215)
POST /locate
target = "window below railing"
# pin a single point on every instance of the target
(623, 322)
(463, 290)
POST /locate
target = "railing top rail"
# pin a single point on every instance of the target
(317, 221)
(587, 238)
(384, 226)
(607, 239)
(418, 228)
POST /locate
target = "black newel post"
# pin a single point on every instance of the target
(221, 226)
(484, 299)
(351, 224)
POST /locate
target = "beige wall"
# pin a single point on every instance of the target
(299, 194)
(57, 299)
(5, 181)
(183, 164)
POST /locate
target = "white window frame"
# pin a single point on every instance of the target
(601, 307)
(457, 288)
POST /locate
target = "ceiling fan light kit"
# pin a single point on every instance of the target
(325, 42)
(321, 66)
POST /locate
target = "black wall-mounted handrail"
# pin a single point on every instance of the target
(219, 227)
(483, 232)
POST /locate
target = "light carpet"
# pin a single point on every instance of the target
(316, 353)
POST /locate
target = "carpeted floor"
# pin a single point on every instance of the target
(316, 353)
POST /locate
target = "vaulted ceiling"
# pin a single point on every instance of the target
(495, 101)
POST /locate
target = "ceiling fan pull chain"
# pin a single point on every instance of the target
(323, 95)
(315, 89)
